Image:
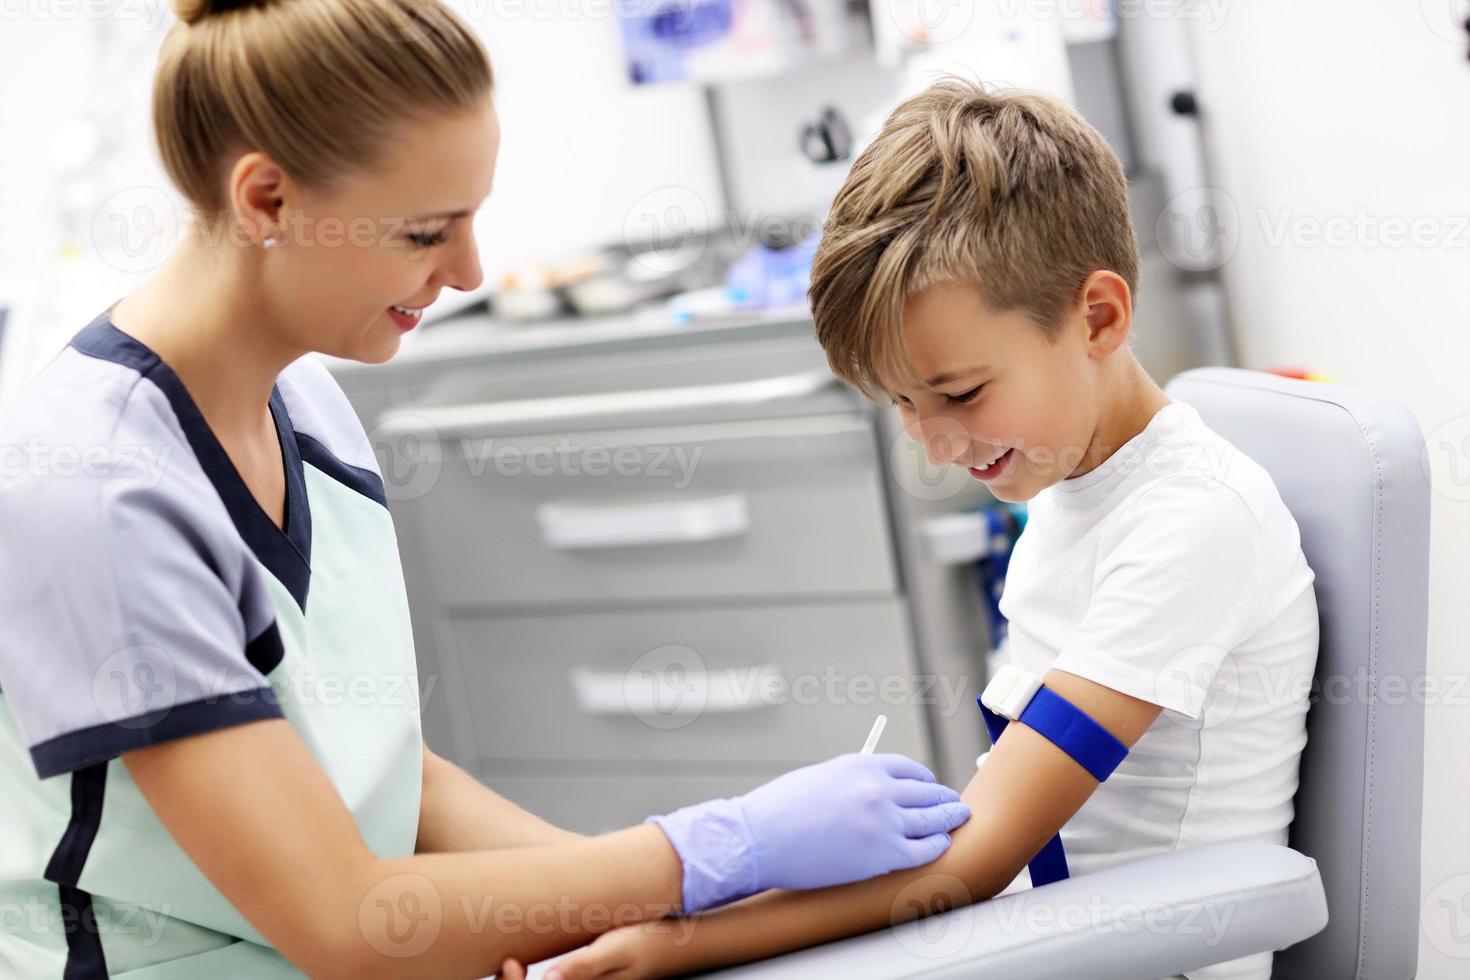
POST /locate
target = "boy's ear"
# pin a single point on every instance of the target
(1107, 307)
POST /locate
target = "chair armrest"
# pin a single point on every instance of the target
(1150, 918)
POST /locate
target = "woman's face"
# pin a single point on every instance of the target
(395, 237)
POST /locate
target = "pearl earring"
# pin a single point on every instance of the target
(272, 242)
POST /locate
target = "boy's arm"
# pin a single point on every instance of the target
(1027, 789)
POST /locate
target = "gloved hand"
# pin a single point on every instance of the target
(846, 819)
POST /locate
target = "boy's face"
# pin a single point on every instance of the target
(991, 384)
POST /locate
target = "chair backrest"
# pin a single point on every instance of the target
(1349, 465)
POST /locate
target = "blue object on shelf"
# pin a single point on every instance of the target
(772, 277)
(1004, 523)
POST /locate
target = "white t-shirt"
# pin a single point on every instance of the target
(1174, 573)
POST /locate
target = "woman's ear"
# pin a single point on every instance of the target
(257, 193)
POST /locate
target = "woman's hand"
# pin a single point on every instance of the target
(846, 819)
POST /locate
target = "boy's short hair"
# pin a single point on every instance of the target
(1010, 190)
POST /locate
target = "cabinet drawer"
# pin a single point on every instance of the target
(743, 509)
(761, 685)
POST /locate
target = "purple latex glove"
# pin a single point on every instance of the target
(846, 819)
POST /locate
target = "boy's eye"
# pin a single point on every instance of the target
(964, 396)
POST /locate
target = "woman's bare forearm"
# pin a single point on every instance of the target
(523, 903)
(459, 813)
(282, 848)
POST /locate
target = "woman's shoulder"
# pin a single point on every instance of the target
(90, 442)
(80, 414)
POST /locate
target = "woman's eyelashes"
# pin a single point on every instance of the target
(428, 239)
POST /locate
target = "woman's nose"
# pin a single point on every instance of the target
(462, 269)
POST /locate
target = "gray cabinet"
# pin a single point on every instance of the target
(644, 577)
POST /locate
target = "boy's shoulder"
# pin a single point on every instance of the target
(1188, 468)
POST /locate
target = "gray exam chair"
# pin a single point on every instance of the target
(1342, 900)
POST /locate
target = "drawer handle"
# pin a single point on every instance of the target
(568, 526)
(432, 421)
(673, 692)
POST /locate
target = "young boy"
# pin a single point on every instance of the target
(978, 269)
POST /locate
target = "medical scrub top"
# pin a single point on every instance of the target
(146, 596)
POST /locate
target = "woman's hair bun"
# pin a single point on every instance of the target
(193, 11)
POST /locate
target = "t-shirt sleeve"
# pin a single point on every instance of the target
(125, 605)
(1176, 588)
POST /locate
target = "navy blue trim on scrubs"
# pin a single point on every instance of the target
(266, 651)
(84, 956)
(365, 482)
(288, 554)
(97, 744)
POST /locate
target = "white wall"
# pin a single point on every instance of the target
(1319, 112)
(585, 155)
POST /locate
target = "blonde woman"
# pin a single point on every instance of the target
(181, 797)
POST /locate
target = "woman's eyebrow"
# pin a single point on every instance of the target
(442, 214)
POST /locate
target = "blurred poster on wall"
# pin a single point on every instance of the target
(730, 40)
